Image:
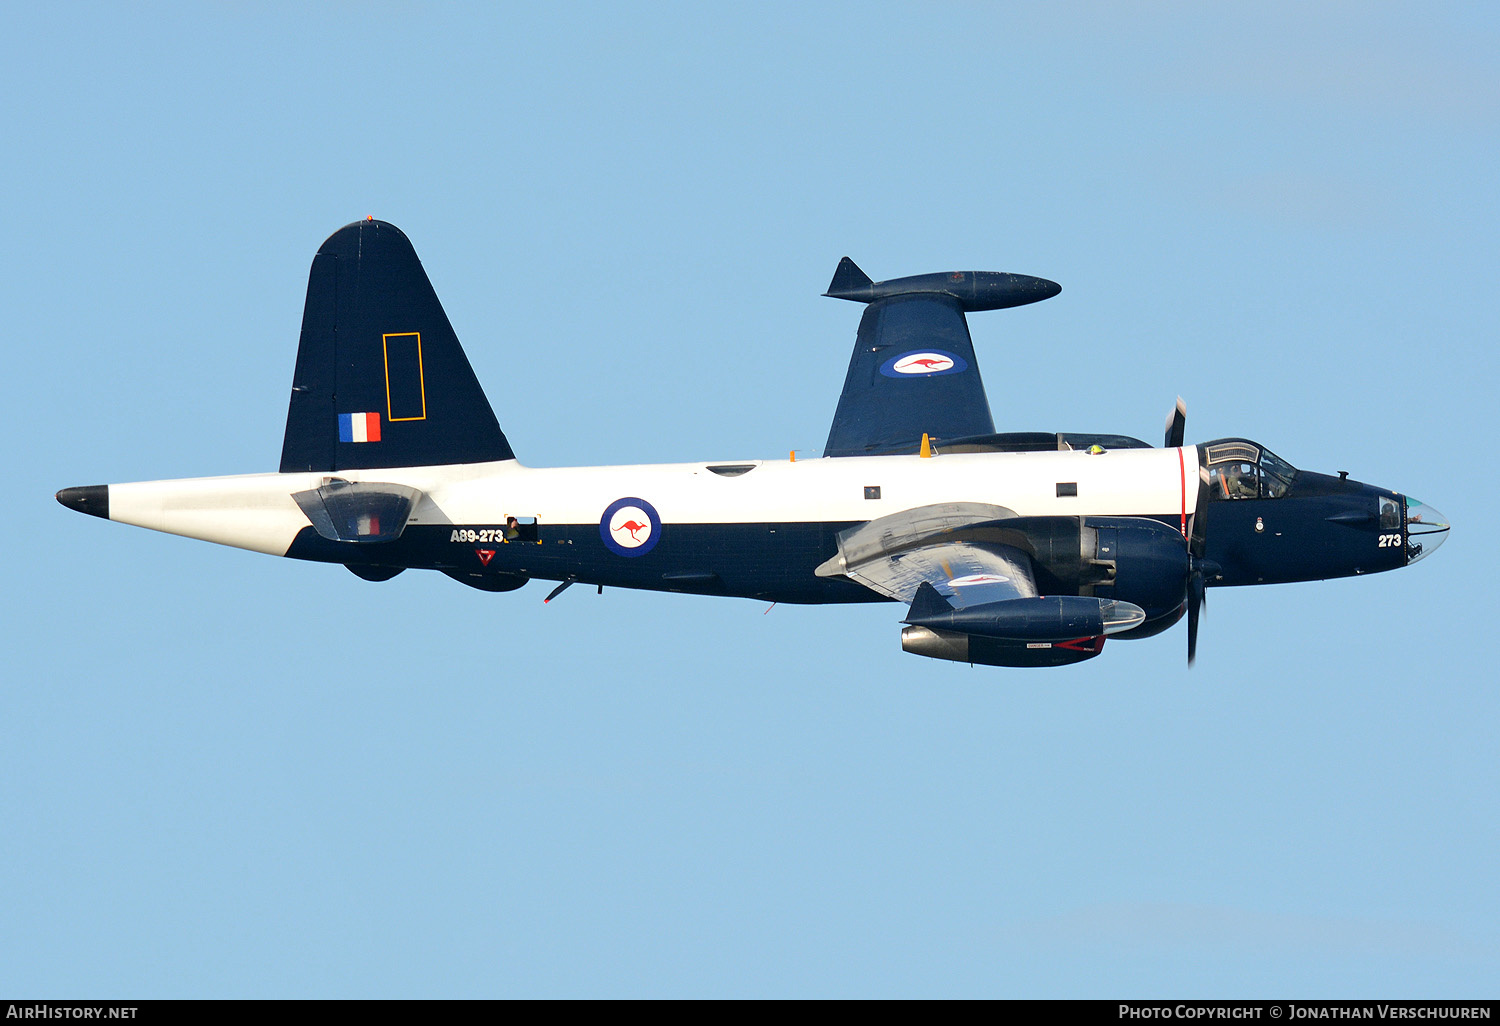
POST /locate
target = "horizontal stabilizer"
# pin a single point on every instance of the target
(368, 512)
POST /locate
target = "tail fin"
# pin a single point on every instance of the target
(381, 380)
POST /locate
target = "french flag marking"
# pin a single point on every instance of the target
(359, 427)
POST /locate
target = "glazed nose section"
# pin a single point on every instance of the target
(1426, 529)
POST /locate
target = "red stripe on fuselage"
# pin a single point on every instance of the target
(1182, 470)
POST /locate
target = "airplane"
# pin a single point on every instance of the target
(1006, 549)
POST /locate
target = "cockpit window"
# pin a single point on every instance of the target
(1240, 469)
(1274, 463)
(1272, 484)
(1237, 480)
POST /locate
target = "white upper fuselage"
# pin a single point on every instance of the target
(256, 511)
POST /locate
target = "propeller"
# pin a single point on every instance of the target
(1176, 424)
(1196, 593)
(1199, 568)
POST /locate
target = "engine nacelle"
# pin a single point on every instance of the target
(1133, 559)
(967, 648)
(1136, 560)
(1148, 562)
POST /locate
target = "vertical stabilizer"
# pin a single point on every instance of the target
(381, 380)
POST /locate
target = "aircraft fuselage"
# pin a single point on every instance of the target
(759, 528)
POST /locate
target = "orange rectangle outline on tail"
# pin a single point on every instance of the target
(421, 374)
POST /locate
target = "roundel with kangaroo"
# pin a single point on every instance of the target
(923, 363)
(630, 527)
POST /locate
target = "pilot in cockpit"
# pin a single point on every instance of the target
(1239, 481)
(1246, 479)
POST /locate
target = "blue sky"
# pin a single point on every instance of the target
(224, 774)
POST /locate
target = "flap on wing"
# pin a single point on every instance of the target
(894, 555)
(964, 573)
(913, 372)
(905, 530)
(365, 512)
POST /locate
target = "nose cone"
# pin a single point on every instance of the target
(90, 499)
(1426, 529)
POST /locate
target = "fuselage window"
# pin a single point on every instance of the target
(522, 529)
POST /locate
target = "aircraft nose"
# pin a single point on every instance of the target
(1426, 529)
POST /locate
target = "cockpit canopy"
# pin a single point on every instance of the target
(1241, 469)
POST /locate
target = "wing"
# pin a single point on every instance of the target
(913, 371)
(965, 573)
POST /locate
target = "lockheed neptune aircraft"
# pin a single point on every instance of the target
(1013, 549)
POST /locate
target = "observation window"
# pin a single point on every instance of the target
(522, 529)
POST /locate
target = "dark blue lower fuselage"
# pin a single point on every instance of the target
(1328, 527)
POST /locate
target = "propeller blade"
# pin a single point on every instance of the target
(1195, 597)
(1176, 424)
(1200, 569)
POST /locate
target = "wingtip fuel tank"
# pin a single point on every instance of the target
(974, 290)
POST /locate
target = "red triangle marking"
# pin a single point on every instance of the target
(1083, 644)
(485, 555)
